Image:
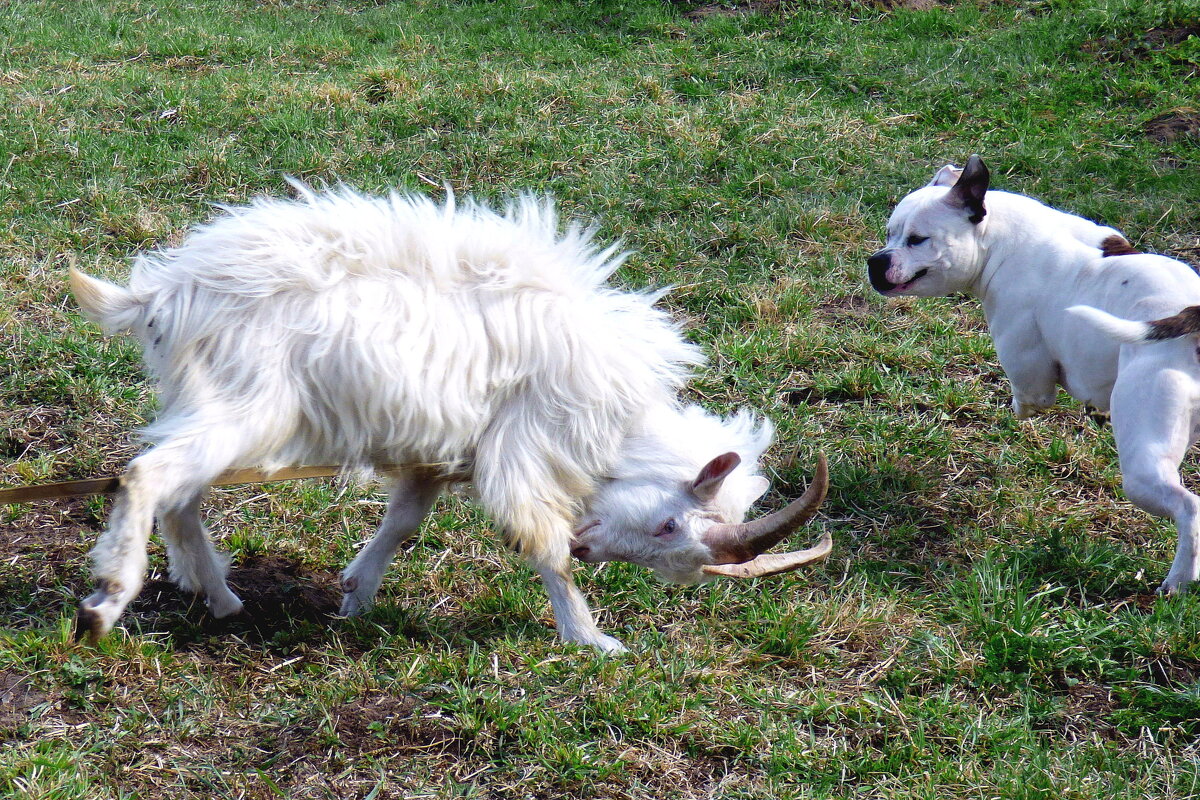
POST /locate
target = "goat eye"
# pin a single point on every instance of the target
(668, 526)
(914, 240)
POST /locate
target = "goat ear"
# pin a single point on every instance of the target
(946, 176)
(970, 189)
(708, 482)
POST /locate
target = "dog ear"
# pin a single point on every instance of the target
(970, 188)
(946, 176)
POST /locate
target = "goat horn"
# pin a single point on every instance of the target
(737, 543)
(774, 563)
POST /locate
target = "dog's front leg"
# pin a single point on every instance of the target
(1032, 373)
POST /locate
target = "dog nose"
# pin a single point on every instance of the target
(877, 267)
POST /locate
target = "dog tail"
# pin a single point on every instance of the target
(114, 308)
(1126, 330)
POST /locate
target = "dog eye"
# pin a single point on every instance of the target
(913, 241)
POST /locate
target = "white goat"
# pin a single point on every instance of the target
(473, 346)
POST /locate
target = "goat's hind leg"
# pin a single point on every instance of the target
(166, 478)
(195, 565)
(410, 499)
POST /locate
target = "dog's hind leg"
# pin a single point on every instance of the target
(1153, 421)
(195, 565)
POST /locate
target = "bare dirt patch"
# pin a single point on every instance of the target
(911, 5)
(853, 306)
(38, 429)
(1086, 710)
(17, 697)
(1178, 124)
(277, 593)
(728, 9)
(397, 723)
(1159, 38)
(738, 7)
(1123, 48)
(40, 552)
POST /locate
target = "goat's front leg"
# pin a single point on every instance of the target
(572, 617)
(411, 498)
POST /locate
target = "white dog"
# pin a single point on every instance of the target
(1059, 293)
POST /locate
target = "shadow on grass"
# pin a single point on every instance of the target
(287, 605)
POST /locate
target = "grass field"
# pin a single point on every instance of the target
(987, 626)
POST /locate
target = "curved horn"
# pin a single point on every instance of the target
(737, 543)
(774, 563)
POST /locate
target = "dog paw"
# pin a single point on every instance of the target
(1173, 588)
(353, 604)
(602, 642)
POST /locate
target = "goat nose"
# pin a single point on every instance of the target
(581, 551)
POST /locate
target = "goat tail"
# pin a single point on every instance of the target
(114, 308)
(1184, 323)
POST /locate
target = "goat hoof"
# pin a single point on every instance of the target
(89, 626)
(223, 606)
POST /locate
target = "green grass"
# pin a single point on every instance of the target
(986, 626)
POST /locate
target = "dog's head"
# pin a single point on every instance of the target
(933, 236)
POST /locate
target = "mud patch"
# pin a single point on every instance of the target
(377, 723)
(733, 8)
(273, 587)
(728, 9)
(853, 306)
(812, 394)
(17, 698)
(277, 593)
(1182, 123)
(43, 550)
(1174, 672)
(1121, 48)
(1086, 711)
(911, 5)
(392, 722)
(40, 429)
(1162, 38)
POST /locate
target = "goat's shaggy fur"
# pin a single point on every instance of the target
(395, 331)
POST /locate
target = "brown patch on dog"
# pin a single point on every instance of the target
(1117, 246)
(1181, 324)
